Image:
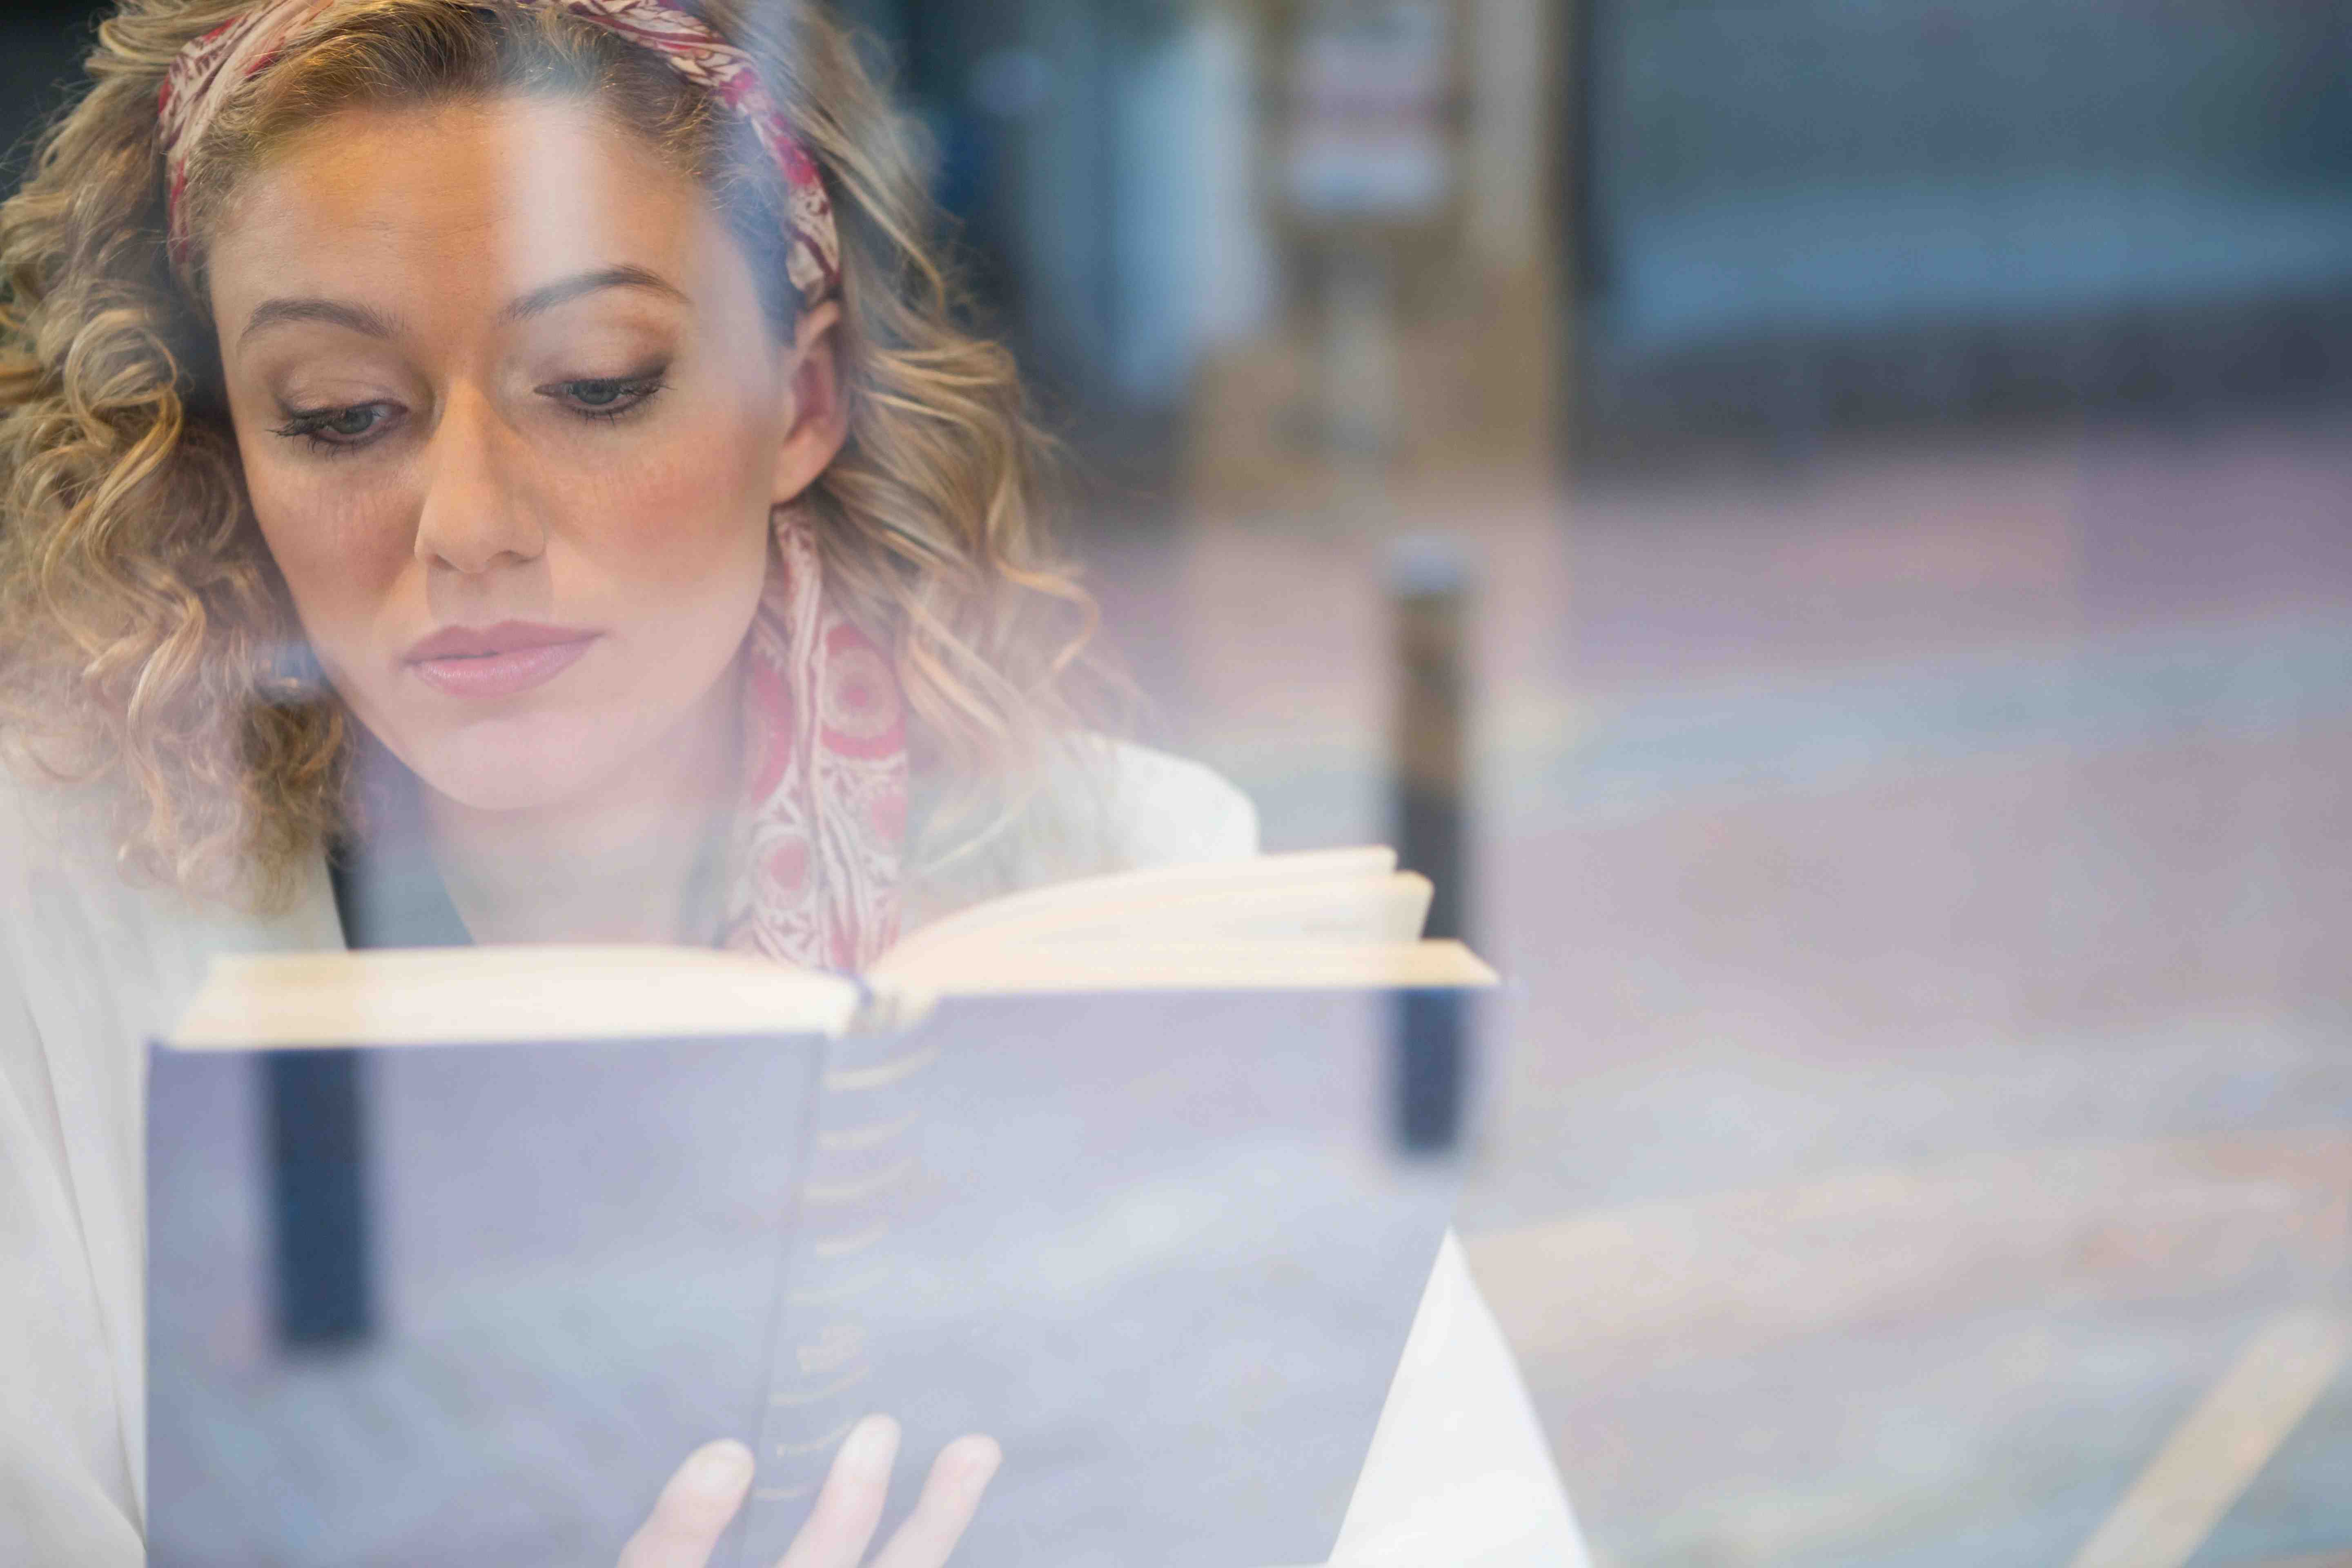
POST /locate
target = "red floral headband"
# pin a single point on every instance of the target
(211, 68)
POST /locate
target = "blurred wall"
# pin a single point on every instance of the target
(1807, 212)
(1120, 176)
(41, 44)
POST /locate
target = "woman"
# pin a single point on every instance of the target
(552, 403)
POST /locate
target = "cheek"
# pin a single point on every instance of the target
(342, 549)
(340, 537)
(685, 527)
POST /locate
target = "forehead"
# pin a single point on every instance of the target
(443, 203)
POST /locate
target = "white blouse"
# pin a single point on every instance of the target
(91, 966)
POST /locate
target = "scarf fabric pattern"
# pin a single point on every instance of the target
(820, 837)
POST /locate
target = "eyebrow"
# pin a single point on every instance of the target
(333, 312)
(539, 301)
(563, 290)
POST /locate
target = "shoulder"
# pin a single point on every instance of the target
(1163, 810)
(1094, 806)
(92, 938)
(50, 833)
(1099, 806)
(79, 937)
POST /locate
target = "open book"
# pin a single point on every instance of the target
(1106, 1170)
(1344, 919)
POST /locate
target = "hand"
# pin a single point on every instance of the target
(695, 1507)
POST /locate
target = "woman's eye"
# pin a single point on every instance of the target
(344, 426)
(605, 397)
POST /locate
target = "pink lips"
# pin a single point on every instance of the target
(497, 661)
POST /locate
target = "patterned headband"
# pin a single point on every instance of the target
(211, 68)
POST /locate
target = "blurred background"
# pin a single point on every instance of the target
(1887, 463)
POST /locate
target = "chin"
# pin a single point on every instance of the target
(521, 762)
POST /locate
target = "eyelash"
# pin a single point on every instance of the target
(310, 425)
(638, 389)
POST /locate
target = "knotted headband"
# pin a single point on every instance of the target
(211, 68)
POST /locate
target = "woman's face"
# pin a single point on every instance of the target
(512, 422)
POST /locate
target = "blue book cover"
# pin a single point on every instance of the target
(1161, 1246)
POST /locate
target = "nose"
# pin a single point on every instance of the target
(476, 515)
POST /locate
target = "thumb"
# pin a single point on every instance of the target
(694, 1508)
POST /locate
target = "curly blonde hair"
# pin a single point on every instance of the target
(143, 629)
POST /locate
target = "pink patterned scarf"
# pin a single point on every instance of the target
(823, 820)
(820, 834)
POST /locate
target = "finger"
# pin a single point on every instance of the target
(850, 1504)
(959, 1476)
(693, 1510)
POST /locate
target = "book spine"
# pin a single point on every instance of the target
(863, 1178)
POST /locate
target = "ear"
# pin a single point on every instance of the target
(816, 414)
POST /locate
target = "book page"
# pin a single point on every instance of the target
(1331, 919)
(458, 995)
(1090, 898)
(980, 970)
(1374, 912)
